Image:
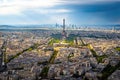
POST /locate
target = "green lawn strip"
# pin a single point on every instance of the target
(108, 70)
(94, 53)
(44, 72)
(3, 50)
(117, 48)
(28, 49)
(71, 43)
(53, 41)
(99, 58)
(52, 58)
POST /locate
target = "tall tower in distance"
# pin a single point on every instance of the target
(64, 34)
(63, 24)
(113, 29)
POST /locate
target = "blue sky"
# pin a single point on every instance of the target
(81, 12)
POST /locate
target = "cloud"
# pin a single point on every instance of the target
(86, 1)
(10, 10)
(52, 11)
(9, 7)
(16, 7)
(30, 3)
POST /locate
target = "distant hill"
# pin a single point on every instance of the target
(51, 26)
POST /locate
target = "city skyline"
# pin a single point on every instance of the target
(13, 12)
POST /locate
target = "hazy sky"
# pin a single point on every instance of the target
(53, 11)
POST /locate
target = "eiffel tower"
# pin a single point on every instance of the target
(64, 34)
